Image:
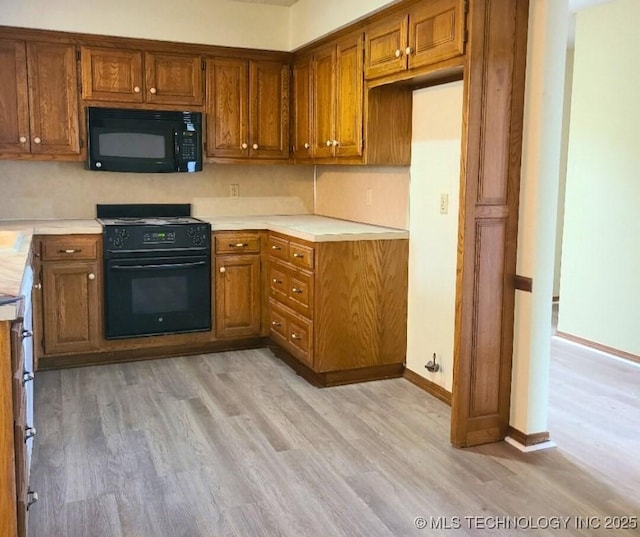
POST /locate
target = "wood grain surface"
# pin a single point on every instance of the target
(236, 444)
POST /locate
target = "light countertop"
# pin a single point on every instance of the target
(15, 240)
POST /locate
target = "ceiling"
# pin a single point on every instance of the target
(270, 2)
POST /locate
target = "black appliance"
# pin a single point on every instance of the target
(121, 140)
(157, 267)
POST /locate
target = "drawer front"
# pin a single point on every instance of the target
(69, 247)
(300, 338)
(301, 293)
(301, 255)
(237, 243)
(279, 281)
(291, 331)
(278, 323)
(278, 247)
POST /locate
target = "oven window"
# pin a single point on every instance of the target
(132, 145)
(163, 294)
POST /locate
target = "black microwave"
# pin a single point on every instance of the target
(121, 140)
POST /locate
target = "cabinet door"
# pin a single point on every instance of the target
(302, 110)
(110, 74)
(385, 45)
(227, 113)
(349, 98)
(435, 31)
(237, 296)
(71, 306)
(14, 113)
(324, 102)
(173, 79)
(53, 98)
(269, 110)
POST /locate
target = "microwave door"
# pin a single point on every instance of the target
(131, 149)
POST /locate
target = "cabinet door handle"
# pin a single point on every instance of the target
(307, 145)
(29, 432)
(244, 146)
(32, 498)
(37, 140)
(296, 290)
(295, 336)
(153, 90)
(136, 89)
(275, 247)
(27, 376)
(23, 139)
(37, 286)
(329, 143)
(276, 280)
(298, 255)
(408, 51)
(223, 269)
(70, 251)
(336, 143)
(238, 245)
(91, 276)
(276, 323)
(26, 333)
(255, 146)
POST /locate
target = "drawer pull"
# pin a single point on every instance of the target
(69, 251)
(296, 290)
(276, 247)
(276, 280)
(27, 376)
(32, 498)
(276, 324)
(26, 333)
(223, 269)
(298, 255)
(37, 286)
(29, 432)
(295, 336)
(238, 245)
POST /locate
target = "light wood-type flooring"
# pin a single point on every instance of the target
(235, 444)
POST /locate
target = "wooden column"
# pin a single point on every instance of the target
(492, 141)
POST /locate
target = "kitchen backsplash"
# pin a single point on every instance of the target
(66, 190)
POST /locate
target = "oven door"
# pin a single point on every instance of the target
(159, 295)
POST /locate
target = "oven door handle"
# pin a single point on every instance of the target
(168, 266)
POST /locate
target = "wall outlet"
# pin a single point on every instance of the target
(369, 197)
(444, 203)
(234, 191)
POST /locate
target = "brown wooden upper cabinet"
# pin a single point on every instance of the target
(247, 108)
(302, 109)
(424, 34)
(337, 99)
(38, 99)
(134, 76)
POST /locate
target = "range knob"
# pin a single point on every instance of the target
(191, 231)
(118, 242)
(197, 240)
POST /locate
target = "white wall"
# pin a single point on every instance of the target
(210, 22)
(435, 169)
(600, 280)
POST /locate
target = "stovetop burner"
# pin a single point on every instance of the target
(149, 221)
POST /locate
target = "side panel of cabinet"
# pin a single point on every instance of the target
(53, 98)
(173, 79)
(302, 110)
(227, 125)
(435, 31)
(14, 112)
(385, 46)
(324, 102)
(349, 98)
(237, 296)
(269, 110)
(111, 74)
(71, 306)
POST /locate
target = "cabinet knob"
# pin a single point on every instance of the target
(22, 139)
(91, 276)
(238, 245)
(336, 143)
(295, 336)
(245, 145)
(408, 51)
(398, 53)
(275, 323)
(296, 290)
(37, 140)
(298, 255)
(29, 432)
(223, 269)
(276, 280)
(27, 376)
(37, 286)
(255, 146)
(32, 498)
(136, 89)
(275, 247)
(329, 143)
(153, 90)
(26, 333)
(307, 145)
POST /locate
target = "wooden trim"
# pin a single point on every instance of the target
(528, 439)
(523, 283)
(428, 386)
(600, 347)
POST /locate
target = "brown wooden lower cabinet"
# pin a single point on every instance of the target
(340, 308)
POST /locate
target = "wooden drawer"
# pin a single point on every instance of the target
(63, 248)
(278, 247)
(279, 281)
(291, 331)
(237, 243)
(292, 287)
(301, 255)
